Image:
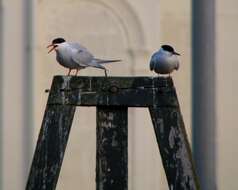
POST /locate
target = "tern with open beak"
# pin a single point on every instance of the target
(73, 55)
(165, 60)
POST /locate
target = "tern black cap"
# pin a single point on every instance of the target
(168, 48)
(58, 41)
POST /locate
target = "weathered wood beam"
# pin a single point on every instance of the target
(174, 148)
(112, 145)
(51, 144)
(112, 96)
(113, 91)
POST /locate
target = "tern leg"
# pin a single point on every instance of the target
(101, 67)
(69, 72)
(77, 70)
(105, 71)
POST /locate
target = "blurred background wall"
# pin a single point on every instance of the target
(129, 30)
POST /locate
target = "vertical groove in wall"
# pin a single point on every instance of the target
(1, 95)
(28, 40)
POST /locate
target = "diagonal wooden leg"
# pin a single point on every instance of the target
(174, 148)
(50, 148)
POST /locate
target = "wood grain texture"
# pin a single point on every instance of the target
(174, 148)
(51, 144)
(112, 145)
(113, 91)
(113, 96)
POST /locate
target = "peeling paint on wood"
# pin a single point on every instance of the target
(174, 148)
(112, 96)
(50, 147)
(113, 91)
(112, 157)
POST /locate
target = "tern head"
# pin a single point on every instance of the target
(54, 44)
(170, 49)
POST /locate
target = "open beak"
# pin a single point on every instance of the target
(175, 53)
(52, 46)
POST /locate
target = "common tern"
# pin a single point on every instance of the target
(165, 60)
(73, 55)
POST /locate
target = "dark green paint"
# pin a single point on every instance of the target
(112, 96)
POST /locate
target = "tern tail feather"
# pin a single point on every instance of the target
(102, 61)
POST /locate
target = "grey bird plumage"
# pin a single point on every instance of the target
(75, 56)
(165, 60)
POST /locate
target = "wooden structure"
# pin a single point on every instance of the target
(112, 96)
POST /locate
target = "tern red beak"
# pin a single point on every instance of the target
(53, 47)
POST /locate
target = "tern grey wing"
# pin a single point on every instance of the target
(153, 61)
(82, 57)
(77, 46)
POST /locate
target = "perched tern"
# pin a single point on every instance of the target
(165, 60)
(75, 56)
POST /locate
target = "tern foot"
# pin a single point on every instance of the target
(69, 72)
(105, 71)
(76, 72)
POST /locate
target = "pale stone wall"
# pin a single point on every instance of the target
(130, 30)
(110, 29)
(227, 93)
(13, 97)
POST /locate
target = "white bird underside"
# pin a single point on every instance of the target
(163, 63)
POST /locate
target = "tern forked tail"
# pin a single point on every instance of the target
(103, 61)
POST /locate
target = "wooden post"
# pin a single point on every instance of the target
(50, 147)
(112, 96)
(112, 158)
(174, 148)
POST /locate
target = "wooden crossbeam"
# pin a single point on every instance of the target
(113, 91)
